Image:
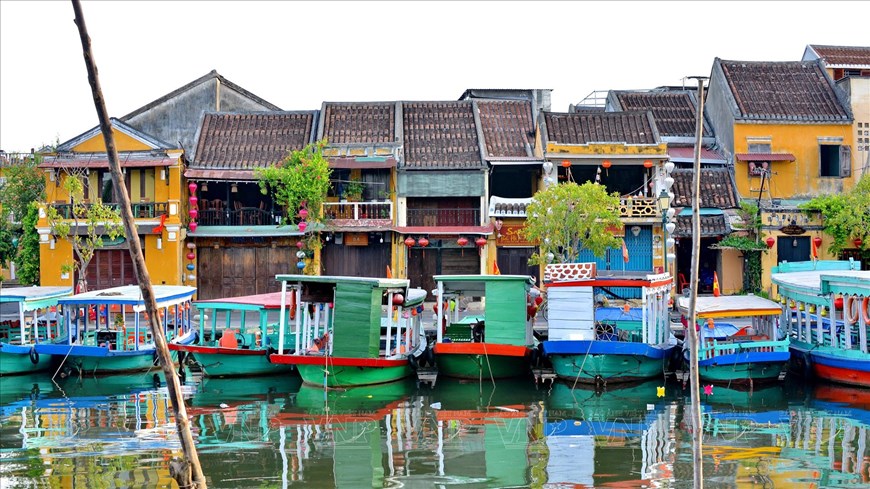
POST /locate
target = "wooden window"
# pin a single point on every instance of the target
(835, 160)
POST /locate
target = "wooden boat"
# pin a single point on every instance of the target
(811, 292)
(349, 331)
(105, 331)
(596, 344)
(247, 351)
(491, 345)
(19, 334)
(727, 353)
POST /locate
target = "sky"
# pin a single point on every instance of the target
(297, 55)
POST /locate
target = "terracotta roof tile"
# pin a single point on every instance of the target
(345, 123)
(710, 226)
(246, 141)
(673, 112)
(717, 188)
(508, 127)
(857, 56)
(440, 135)
(790, 90)
(602, 127)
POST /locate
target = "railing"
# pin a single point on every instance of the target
(243, 216)
(639, 207)
(142, 210)
(443, 217)
(358, 210)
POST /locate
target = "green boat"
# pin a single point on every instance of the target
(246, 350)
(27, 317)
(349, 331)
(492, 345)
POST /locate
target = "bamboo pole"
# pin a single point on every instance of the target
(190, 474)
(694, 384)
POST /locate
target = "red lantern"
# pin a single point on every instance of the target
(191, 256)
(857, 242)
(647, 163)
(409, 242)
(398, 299)
(423, 242)
(481, 241)
(192, 187)
(770, 242)
(300, 244)
(818, 241)
(566, 164)
(193, 213)
(303, 213)
(462, 241)
(302, 225)
(193, 200)
(605, 164)
(838, 303)
(192, 226)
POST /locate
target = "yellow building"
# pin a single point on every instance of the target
(787, 130)
(153, 180)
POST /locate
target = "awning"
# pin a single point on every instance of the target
(220, 175)
(444, 230)
(516, 162)
(368, 163)
(244, 231)
(765, 156)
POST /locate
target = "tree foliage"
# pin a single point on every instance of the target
(97, 220)
(846, 216)
(28, 248)
(567, 217)
(25, 183)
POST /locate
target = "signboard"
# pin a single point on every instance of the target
(792, 229)
(512, 235)
(356, 239)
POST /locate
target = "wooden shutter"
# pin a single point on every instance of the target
(845, 160)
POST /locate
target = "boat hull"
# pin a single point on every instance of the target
(594, 361)
(16, 360)
(345, 371)
(744, 367)
(229, 362)
(849, 367)
(481, 360)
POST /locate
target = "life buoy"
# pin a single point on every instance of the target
(865, 313)
(34, 356)
(850, 311)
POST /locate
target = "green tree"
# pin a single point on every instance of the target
(25, 183)
(88, 225)
(845, 216)
(28, 251)
(567, 217)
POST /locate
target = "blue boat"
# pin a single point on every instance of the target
(27, 317)
(106, 331)
(590, 343)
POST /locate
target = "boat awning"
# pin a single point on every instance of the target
(164, 295)
(731, 306)
(271, 300)
(765, 156)
(32, 298)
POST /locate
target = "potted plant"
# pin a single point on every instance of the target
(353, 190)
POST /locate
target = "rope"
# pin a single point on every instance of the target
(61, 363)
(581, 365)
(488, 365)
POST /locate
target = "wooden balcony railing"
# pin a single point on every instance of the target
(639, 207)
(144, 210)
(358, 210)
(443, 217)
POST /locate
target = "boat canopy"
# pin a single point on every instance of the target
(164, 295)
(271, 300)
(731, 306)
(32, 298)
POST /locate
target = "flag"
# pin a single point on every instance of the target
(815, 249)
(715, 285)
(624, 252)
(495, 270)
(389, 272)
(162, 225)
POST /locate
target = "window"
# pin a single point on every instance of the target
(759, 147)
(835, 160)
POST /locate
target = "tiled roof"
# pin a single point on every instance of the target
(602, 127)
(710, 226)
(857, 56)
(680, 153)
(717, 188)
(508, 127)
(673, 112)
(440, 135)
(356, 122)
(790, 90)
(246, 141)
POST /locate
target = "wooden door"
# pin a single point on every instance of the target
(515, 261)
(110, 268)
(358, 261)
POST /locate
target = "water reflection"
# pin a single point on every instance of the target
(117, 432)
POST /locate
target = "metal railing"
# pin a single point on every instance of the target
(443, 217)
(358, 210)
(144, 210)
(243, 216)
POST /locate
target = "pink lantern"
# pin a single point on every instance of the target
(300, 244)
(303, 213)
(192, 226)
(192, 187)
(302, 226)
(424, 242)
(191, 256)
(481, 241)
(193, 213)
(193, 200)
(462, 241)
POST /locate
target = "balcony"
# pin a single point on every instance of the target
(217, 214)
(639, 207)
(443, 217)
(143, 210)
(355, 211)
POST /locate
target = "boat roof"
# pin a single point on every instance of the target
(32, 298)
(374, 281)
(271, 300)
(820, 282)
(731, 306)
(476, 284)
(132, 295)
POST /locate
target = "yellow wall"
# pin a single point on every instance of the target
(123, 142)
(604, 150)
(792, 179)
(731, 278)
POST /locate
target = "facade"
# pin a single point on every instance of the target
(788, 131)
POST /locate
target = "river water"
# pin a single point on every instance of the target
(117, 431)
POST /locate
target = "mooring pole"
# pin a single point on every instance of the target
(191, 474)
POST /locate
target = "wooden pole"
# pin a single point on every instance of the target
(190, 473)
(694, 384)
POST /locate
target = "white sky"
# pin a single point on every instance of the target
(299, 54)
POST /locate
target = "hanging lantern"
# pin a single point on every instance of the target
(480, 242)
(824, 312)
(398, 299)
(858, 242)
(192, 226)
(547, 166)
(812, 309)
(300, 254)
(770, 242)
(190, 267)
(670, 227)
(302, 225)
(191, 246)
(300, 265)
(782, 300)
(300, 244)
(818, 241)
(423, 242)
(409, 242)
(462, 241)
(606, 164)
(669, 167)
(192, 187)
(550, 257)
(672, 257)
(838, 303)
(191, 256)
(669, 182)
(303, 213)
(647, 163)
(193, 212)
(566, 164)
(193, 200)
(670, 242)
(801, 306)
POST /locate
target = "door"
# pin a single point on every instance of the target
(515, 261)
(239, 271)
(357, 261)
(110, 268)
(792, 248)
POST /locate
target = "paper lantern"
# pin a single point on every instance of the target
(191, 277)
(192, 226)
(770, 242)
(423, 242)
(858, 242)
(190, 266)
(300, 265)
(647, 163)
(193, 200)
(300, 254)
(409, 242)
(818, 241)
(193, 212)
(192, 187)
(303, 213)
(398, 299)
(605, 164)
(669, 167)
(462, 241)
(838, 303)
(481, 241)
(300, 244)
(191, 246)
(191, 256)
(302, 225)
(566, 164)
